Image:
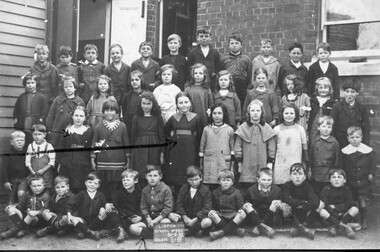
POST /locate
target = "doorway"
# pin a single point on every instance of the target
(180, 17)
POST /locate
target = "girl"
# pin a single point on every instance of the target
(184, 129)
(291, 145)
(147, 129)
(200, 92)
(60, 112)
(321, 104)
(294, 94)
(265, 95)
(131, 100)
(217, 144)
(110, 133)
(103, 90)
(255, 144)
(225, 93)
(165, 93)
(76, 164)
(30, 108)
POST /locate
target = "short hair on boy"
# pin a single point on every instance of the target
(89, 47)
(70, 79)
(325, 46)
(328, 119)
(60, 179)
(29, 76)
(203, 30)
(323, 81)
(225, 174)
(35, 178)
(41, 47)
(117, 45)
(339, 171)
(150, 168)
(146, 43)
(65, 50)
(174, 37)
(192, 171)
(265, 170)
(353, 129)
(93, 176)
(39, 127)
(167, 67)
(295, 45)
(297, 167)
(129, 171)
(17, 134)
(236, 36)
(111, 104)
(296, 112)
(353, 84)
(266, 41)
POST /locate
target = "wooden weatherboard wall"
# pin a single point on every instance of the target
(22, 26)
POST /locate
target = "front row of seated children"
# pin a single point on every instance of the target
(220, 213)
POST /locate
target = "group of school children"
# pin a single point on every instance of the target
(202, 130)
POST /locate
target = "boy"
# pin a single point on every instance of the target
(178, 61)
(267, 61)
(358, 161)
(239, 65)
(118, 71)
(293, 66)
(324, 154)
(350, 112)
(66, 67)
(40, 157)
(156, 203)
(194, 202)
(14, 171)
(27, 211)
(262, 201)
(323, 68)
(147, 65)
(92, 211)
(227, 202)
(127, 200)
(204, 53)
(339, 208)
(30, 108)
(88, 72)
(47, 73)
(300, 195)
(55, 215)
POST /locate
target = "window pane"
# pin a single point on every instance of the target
(354, 36)
(363, 10)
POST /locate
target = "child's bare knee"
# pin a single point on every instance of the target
(321, 206)
(247, 207)
(324, 214)
(165, 220)
(206, 222)
(353, 211)
(102, 214)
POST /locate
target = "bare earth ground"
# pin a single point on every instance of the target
(366, 239)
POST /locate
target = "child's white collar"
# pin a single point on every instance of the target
(94, 62)
(349, 149)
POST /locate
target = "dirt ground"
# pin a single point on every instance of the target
(366, 239)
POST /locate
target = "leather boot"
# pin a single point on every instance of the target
(267, 230)
(363, 219)
(93, 235)
(122, 235)
(347, 230)
(216, 235)
(308, 232)
(255, 231)
(240, 232)
(332, 231)
(44, 231)
(293, 232)
(10, 233)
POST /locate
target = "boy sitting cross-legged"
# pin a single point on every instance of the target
(227, 202)
(27, 211)
(156, 203)
(194, 202)
(340, 208)
(93, 211)
(56, 214)
(262, 202)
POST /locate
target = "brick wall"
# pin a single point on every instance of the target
(283, 21)
(152, 24)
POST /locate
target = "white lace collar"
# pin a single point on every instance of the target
(72, 129)
(349, 149)
(111, 126)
